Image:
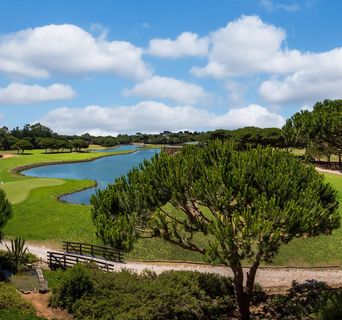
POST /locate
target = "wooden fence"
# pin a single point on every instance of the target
(92, 250)
(66, 260)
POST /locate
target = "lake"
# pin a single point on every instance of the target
(103, 171)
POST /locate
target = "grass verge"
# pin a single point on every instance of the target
(40, 218)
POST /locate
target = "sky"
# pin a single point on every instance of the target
(124, 66)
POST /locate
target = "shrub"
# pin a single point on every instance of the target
(15, 314)
(332, 310)
(303, 301)
(10, 299)
(18, 256)
(128, 296)
(75, 284)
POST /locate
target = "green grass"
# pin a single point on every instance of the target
(40, 218)
(18, 191)
(321, 250)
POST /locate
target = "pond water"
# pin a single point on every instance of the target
(119, 148)
(103, 170)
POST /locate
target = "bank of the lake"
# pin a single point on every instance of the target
(41, 219)
(103, 170)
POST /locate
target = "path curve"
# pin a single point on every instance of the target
(267, 277)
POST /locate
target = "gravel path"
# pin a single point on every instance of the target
(268, 277)
(323, 170)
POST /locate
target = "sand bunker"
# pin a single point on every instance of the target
(7, 155)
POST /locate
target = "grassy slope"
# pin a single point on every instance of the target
(18, 191)
(321, 250)
(73, 222)
(41, 217)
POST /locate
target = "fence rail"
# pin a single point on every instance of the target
(92, 250)
(66, 260)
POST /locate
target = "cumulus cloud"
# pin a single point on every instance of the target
(168, 88)
(18, 93)
(186, 44)
(243, 46)
(153, 117)
(248, 46)
(319, 78)
(68, 49)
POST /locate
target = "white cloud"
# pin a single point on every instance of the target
(153, 117)
(18, 93)
(248, 46)
(244, 46)
(186, 44)
(68, 49)
(168, 88)
(320, 77)
(269, 5)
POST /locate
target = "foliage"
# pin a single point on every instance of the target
(74, 285)
(248, 137)
(309, 300)
(171, 295)
(10, 298)
(78, 144)
(248, 203)
(54, 144)
(301, 301)
(332, 309)
(18, 255)
(14, 314)
(22, 145)
(319, 130)
(5, 211)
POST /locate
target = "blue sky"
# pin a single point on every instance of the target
(109, 67)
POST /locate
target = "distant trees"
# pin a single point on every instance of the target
(54, 144)
(5, 211)
(22, 145)
(318, 131)
(231, 206)
(78, 144)
(248, 137)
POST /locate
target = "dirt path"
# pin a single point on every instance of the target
(268, 277)
(323, 170)
(41, 304)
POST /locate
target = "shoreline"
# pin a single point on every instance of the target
(19, 171)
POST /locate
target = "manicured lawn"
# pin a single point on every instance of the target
(321, 250)
(39, 217)
(18, 191)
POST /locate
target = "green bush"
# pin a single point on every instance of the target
(302, 301)
(75, 284)
(15, 314)
(10, 298)
(332, 310)
(129, 296)
(8, 263)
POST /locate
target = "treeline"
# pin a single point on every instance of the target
(37, 136)
(318, 131)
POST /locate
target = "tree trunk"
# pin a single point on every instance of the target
(242, 297)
